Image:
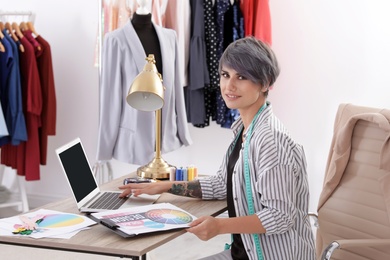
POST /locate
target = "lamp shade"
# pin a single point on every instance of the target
(146, 93)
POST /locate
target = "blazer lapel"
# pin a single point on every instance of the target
(163, 41)
(135, 46)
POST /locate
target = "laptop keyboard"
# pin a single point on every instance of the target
(108, 200)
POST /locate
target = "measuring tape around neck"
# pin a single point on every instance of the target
(248, 187)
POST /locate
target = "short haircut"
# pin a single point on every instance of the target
(253, 59)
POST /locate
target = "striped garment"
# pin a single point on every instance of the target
(279, 186)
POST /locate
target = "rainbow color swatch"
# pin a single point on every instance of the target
(60, 221)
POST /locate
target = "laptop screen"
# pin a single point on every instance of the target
(78, 171)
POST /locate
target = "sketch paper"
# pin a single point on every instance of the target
(53, 224)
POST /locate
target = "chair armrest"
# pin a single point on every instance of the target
(314, 216)
(351, 243)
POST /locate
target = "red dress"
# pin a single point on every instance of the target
(49, 103)
(28, 158)
(257, 19)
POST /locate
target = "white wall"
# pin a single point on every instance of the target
(330, 52)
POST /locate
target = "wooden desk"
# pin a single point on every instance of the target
(101, 240)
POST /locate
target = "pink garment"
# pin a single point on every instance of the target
(178, 18)
(158, 12)
(176, 15)
(120, 13)
(173, 14)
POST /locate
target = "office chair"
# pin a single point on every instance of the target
(354, 206)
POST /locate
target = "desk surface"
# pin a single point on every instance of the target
(101, 240)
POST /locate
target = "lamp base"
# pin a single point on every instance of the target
(156, 169)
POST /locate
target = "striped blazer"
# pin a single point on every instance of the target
(279, 187)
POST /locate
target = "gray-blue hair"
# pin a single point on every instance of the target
(252, 59)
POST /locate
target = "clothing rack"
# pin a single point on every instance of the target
(15, 200)
(19, 200)
(29, 14)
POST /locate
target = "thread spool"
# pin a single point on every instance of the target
(184, 174)
(190, 173)
(179, 174)
(172, 174)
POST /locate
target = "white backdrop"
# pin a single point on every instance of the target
(330, 52)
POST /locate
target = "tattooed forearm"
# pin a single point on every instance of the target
(189, 189)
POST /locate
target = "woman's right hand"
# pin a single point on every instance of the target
(145, 188)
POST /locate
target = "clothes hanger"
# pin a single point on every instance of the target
(23, 26)
(30, 26)
(8, 26)
(2, 49)
(11, 32)
(16, 28)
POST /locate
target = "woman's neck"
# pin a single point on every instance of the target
(142, 20)
(248, 114)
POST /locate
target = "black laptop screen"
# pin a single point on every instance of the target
(77, 169)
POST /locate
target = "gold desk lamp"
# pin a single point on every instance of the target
(146, 93)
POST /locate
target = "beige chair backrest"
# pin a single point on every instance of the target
(355, 201)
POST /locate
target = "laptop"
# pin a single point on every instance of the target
(84, 186)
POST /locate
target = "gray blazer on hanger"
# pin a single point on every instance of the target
(125, 133)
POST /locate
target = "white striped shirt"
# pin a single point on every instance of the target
(279, 186)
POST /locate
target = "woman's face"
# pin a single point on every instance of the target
(239, 92)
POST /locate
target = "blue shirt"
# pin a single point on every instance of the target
(11, 94)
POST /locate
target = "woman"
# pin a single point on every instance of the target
(263, 175)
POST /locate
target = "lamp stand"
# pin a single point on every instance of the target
(157, 168)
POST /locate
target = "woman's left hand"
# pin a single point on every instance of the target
(204, 228)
